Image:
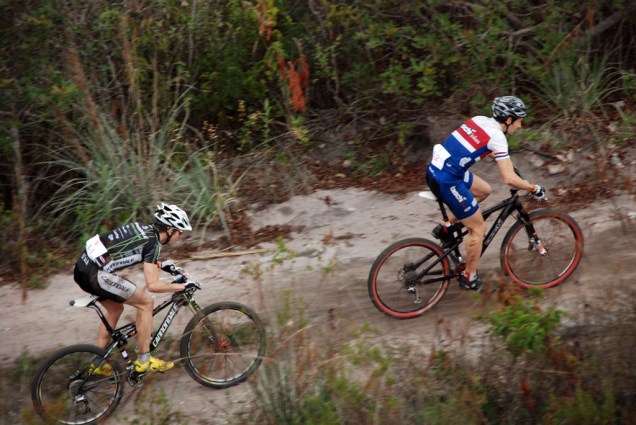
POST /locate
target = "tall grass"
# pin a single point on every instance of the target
(578, 84)
(334, 375)
(209, 192)
(127, 174)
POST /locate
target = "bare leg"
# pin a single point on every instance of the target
(476, 225)
(474, 240)
(143, 302)
(113, 312)
(480, 188)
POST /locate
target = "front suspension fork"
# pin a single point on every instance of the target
(534, 242)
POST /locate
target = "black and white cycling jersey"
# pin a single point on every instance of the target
(130, 244)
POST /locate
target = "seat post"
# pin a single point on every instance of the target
(434, 187)
(443, 210)
(102, 317)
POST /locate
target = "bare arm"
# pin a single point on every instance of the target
(154, 284)
(509, 177)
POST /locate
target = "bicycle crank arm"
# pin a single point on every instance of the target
(134, 378)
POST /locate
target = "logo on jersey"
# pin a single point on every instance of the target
(456, 194)
(471, 136)
(469, 131)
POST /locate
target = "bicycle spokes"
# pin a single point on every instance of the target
(67, 390)
(223, 346)
(408, 278)
(548, 255)
(536, 244)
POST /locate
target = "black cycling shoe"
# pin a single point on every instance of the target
(470, 285)
(442, 233)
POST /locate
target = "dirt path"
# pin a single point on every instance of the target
(343, 231)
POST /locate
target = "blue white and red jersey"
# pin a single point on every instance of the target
(473, 140)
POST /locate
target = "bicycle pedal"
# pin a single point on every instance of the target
(135, 378)
(135, 385)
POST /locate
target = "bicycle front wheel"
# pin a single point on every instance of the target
(67, 390)
(408, 278)
(544, 266)
(223, 344)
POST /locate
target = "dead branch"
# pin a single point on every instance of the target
(228, 254)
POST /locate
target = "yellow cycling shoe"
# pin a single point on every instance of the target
(153, 365)
(104, 370)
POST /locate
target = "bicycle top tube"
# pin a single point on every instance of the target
(514, 197)
(128, 330)
(506, 206)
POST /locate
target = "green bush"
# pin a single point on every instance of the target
(524, 326)
(582, 409)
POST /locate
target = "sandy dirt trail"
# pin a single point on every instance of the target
(343, 231)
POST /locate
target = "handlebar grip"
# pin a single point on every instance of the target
(179, 279)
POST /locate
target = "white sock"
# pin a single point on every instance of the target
(470, 276)
(143, 357)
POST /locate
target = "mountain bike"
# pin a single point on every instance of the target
(221, 346)
(541, 249)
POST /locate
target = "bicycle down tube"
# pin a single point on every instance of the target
(122, 334)
(507, 207)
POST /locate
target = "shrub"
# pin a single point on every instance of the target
(524, 326)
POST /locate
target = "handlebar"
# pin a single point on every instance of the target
(180, 276)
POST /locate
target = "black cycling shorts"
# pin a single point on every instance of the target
(95, 281)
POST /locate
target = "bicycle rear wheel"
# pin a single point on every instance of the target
(66, 390)
(562, 240)
(223, 344)
(396, 280)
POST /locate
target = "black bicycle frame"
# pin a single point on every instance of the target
(121, 335)
(507, 207)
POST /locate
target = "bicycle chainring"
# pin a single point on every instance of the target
(460, 268)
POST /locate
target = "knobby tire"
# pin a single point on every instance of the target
(65, 391)
(563, 240)
(223, 344)
(391, 283)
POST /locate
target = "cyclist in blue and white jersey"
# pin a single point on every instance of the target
(461, 190)
(125, 246)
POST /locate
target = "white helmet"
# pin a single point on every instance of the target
(508, 107)
(172, 216)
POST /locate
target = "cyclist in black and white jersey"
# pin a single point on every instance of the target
(123, 247)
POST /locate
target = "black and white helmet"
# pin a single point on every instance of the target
(172, 216)
(508, 107)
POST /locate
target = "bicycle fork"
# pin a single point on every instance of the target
(534, 242)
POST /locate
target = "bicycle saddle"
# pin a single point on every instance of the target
(427, 195)
(84, 302)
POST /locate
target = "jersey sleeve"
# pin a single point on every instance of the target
(151, 251)
(498, 145)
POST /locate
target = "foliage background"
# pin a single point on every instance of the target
(108, 107)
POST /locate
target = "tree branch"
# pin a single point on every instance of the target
(608, 23)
